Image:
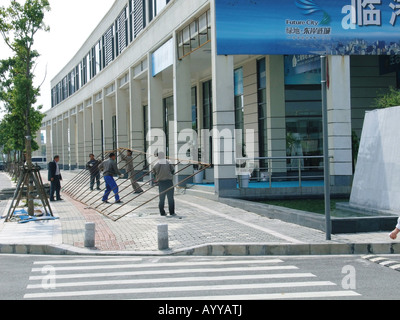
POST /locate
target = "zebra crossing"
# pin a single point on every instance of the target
(383, 261)
(189, 278)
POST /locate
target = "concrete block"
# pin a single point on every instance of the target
(298, 249)
(236, 250)
(257, 250)
(163, 242)
(276, 250)
(361, 248)
(340, 248)
(320, 249)
(37, 250)
(218, 250)
(381, 248)
(7, 249)
(90, 233)
(21, 249)
(395, 248)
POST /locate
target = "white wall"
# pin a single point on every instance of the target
(377, 178)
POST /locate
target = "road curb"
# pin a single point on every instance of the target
(217, 249)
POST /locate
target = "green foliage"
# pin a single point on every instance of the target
(389, 99)
(19, 24)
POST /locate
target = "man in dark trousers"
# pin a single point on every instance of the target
(54, 176)
(163, 171)
(93, 167)
(131, 172)
(110, 170)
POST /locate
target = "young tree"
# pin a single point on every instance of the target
(19, 24)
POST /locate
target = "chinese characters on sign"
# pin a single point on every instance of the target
(334, 27)
(368, 12)
(396, 11)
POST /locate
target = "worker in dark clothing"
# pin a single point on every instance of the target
(93, 167)
(131, 172)
(110, 170)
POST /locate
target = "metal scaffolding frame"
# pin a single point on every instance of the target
(78, 187)
(29, 176)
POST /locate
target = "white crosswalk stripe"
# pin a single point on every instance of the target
(176, 279)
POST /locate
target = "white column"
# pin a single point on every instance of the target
(49, 146)
(60, 140)
(136, 119)
(156, 136)
(182, 127)
(65, 159)
(88, 131)
(80, 138)
(73, 141)
(108, 106)
(38, 139)
(122, 107)
(339, 120)
(54, 148)
(97, 112)
(223, 116)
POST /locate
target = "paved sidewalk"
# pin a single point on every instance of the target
(203, 227)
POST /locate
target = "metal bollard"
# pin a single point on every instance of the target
(90, 231)
(163, 237)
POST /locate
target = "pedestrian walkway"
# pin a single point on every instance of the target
(202, 227)
(184, 278)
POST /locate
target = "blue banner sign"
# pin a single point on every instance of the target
(332, 27)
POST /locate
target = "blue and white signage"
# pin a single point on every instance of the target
(333, 27)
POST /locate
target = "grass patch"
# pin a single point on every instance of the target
(310, 205)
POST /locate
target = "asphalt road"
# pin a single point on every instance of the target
(27, 277)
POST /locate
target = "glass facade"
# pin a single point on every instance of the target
(168, 104)
(303, 108)
(206, 150)
(239, 111)
(126, 27)
(262, 110)
(194, 109)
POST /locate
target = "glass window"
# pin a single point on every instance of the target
(53, 97)
(207, 121)
(97, 57)
(262, 110)
(108, 45)
(194, 109)
(83, 70)
(64, 88)
(88, 67)
(114, 132)
(69, 88)
(239, 111)
(139, 16)
(151, 9)
(121, 29)
(145, 129)
(159, 5)
(59, 92)
(168, 116)
(77, 78)
(303, 109)
(72, 82)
